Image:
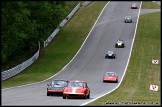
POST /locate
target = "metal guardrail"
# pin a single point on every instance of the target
(86, 3)
(49, 39)
(15, 70)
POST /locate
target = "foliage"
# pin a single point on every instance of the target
(24, 23)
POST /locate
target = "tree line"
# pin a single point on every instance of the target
(24, 23)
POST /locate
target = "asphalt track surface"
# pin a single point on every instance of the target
(89, 64)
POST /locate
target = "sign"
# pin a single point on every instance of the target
(155, 61)
(154, 87)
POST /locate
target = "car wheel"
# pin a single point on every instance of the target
(88, 95)
(63, 97)
(48, 94)
(85, 97)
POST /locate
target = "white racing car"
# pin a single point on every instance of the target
(119, 44)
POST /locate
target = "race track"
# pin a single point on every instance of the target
(90, 63)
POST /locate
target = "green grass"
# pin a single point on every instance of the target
(150, 5)
(63, 48)
(141, 73)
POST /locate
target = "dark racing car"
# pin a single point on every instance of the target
(128, 19)
(56, 87)
(110, 55)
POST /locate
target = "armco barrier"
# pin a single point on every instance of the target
(15, 70)
(49, 39)
(70, 15)
(86, 3)
(73, 11)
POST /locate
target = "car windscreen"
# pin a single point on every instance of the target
(57, 83)
(119, 41)
(76, 84)
(128, 17)
(110, 52)
(110, 74)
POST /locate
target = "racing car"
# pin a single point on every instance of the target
(128, 19)
(119, 44)
(110, 54)
(134, 6)
(76, 89)
(56, 87)
(110, 77)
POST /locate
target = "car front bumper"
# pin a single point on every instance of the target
(74, 95)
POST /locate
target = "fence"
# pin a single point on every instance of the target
(86, 3)
(15, 70)
(49, 39)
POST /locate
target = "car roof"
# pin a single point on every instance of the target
(109, 51)
(110, 72)
(59, 80)
(77, 81)
(119, 40)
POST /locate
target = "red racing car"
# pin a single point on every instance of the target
(76, 89)
(110, 77)
(134, 6)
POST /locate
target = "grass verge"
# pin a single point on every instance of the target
(150, 5)
(64, 46)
